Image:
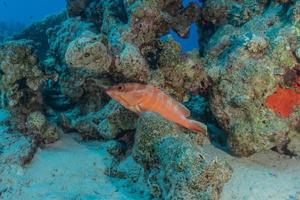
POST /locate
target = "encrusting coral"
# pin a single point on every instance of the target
(247, 65)
(110, 122)
(89, 51)
(21, 79)
(183, 171)
(131, 40)
(21, 85)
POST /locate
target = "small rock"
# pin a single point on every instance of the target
(52, 134)
(257, 44)
(36, 121)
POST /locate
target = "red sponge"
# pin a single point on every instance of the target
(285, 100)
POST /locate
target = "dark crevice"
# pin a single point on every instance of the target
(54, 98)
(284, 150)
(217, 135)
(206, 31)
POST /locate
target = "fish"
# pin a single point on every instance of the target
(140, 98)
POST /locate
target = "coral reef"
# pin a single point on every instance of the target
(247, 65)
(61, 35)
(54, 74)
(89, 51)
(178, 167)
(77, 7)
(38, 125)
(21, 87)
(109, 123)
(130, 41)
(294, 145)
(21, 78)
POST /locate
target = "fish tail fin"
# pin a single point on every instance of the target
(197, 126)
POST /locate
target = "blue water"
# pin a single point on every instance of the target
(28, 11)
(18, 13)
(189, 43)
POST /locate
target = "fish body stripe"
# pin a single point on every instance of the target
(150, 95)
(139, 98)
(153, 100)
(159, 102)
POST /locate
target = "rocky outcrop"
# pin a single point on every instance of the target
(21, 87)
(109, 123)
(130, 49)
(247, 64)
(178, 168)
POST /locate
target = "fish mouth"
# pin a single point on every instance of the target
(108, 91)
(118, 98)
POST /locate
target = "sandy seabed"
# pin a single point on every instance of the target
(72, 169)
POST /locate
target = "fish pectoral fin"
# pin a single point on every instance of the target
(184, 110)
(136, 109)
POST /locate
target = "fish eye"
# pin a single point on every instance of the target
(120, 87)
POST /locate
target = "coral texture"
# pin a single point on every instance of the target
(21, 86)
(53, 81)
(184, 172)
(109, 123)
(247, 64)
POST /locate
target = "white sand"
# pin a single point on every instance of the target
(66, 170)
(263, 176)
(71, 170)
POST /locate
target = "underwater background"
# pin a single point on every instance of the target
(150, 99)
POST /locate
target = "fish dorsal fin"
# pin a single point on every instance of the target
(186, 112)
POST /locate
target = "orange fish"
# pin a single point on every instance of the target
(141, 98)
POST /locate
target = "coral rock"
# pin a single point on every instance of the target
(249, 74)
(131, 64)
(183, 168)
(89, 51)
(109, 123)
(36, 122)
(76, 7)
